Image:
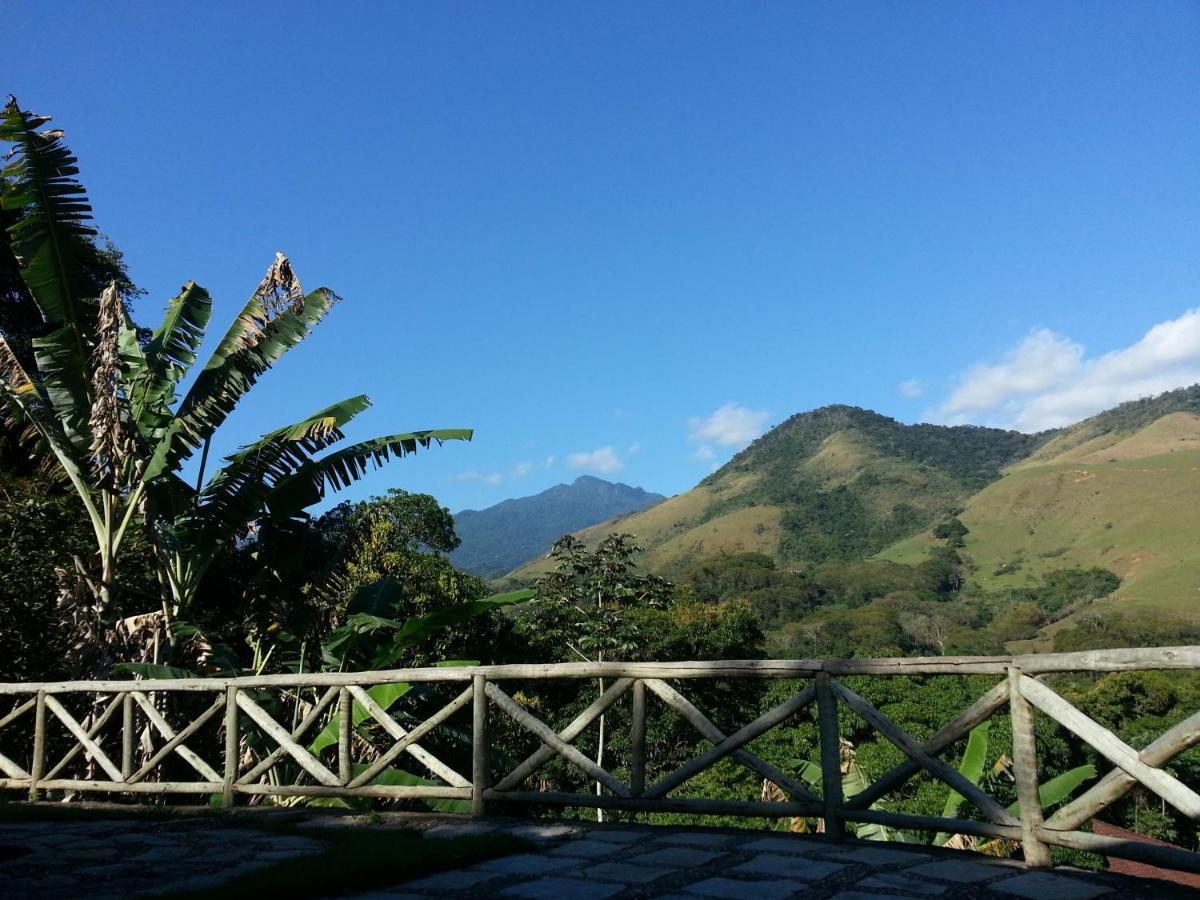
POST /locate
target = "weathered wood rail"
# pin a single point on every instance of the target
(234, 741)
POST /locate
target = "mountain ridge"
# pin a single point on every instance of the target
(500, 537)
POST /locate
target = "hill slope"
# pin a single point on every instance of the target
(835, 483)
(1114, 491)
(501, 537)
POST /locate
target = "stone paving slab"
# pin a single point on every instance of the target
(574, 861)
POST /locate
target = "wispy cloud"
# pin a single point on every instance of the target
(912, 388)
(633, 448)
(492, 478)
(550, 461)
(521, 469)
(1048, 380)
(732, 425)
(602, 459)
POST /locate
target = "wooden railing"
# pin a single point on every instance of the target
(231, 739)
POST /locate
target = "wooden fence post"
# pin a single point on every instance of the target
(831, 757)
(232, 746)
(479, 743)
(637, 739)
(345, 732)
(38, 764)
(126, 735)
(1025, 771)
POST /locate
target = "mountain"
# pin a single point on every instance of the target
(498, 539)
(836, 483)
(1119, 490)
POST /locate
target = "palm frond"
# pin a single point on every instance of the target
(169, 355)
(248, 474)
(192, 527)
(343, 467)
(63, 376)
(50, 234)
(263, 332)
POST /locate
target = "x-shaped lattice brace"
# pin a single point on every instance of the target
(86, 739)
(725, 745)
(406, 741)
(730, 745)
(1132, 766)
(7, 766)
(175, 741)
(923, 759)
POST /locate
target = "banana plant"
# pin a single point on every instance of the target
(854, 780)
(1050, 793)
(108, 409)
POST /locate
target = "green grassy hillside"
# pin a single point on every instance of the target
(1129, 503)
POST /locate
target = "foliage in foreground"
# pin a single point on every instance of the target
(105, 407)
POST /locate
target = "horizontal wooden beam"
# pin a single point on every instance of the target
(1122, 660)
(934, 823)
(143, 787)
(787, 809)
(384, 791)
(1138, 851)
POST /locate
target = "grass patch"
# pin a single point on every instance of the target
(356, 859)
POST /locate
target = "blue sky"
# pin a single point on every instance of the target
(632, 235)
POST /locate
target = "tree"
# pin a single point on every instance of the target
(588, 599)
(297, 583)
(107, 408)
(952, 531)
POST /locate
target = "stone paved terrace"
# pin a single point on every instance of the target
(574, 861)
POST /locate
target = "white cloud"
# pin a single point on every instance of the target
(550, 460)
(1048, 381)
(912, 388)
(703, 453)
(732, 425)
(492, 478)
(599, 460)
(520, 470)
